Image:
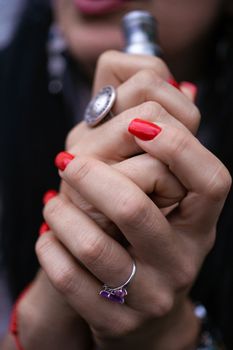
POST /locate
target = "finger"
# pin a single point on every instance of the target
(105, 258)
(189, 90)
(146, 85)
(114, 68)
(81, 289)
(201, 173)
(150, 175)
(118, 198)
(112, 140)
(154, 178)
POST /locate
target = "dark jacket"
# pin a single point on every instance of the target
(32, 131)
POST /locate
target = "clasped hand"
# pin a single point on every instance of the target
(123, 199)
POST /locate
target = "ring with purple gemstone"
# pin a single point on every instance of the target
(117, 294)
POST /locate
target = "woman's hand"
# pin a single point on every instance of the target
(168, 251)
(161, 185)
(142, 91)
(143, 88)
(149, 174)
(46, 321)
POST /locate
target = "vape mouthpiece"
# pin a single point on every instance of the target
(140, 31)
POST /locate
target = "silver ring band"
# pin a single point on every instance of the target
(128, 280)
(118, 294)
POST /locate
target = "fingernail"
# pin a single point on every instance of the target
(143, 129)
(48, 195)
(63, 159)
(189, 86)
(43, 228)
(173, 82)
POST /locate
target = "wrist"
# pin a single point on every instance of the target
(179, 330)
(43, 306)
(43, 318)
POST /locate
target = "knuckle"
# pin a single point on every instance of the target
(158, 68)
(194, 117)
(162, 304)
(94, 251)
(148, 77)
(150, 108)
(209, 241)
(105, 58)
(43, 246)
(228, 180)
(53, 208)
(186, 276)
(158, 83)
(80, 173)
(64, 279)
(219, 184)
(131, 210)
(162, 69)
(178, 142)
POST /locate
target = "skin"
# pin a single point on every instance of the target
(182, 48)
(110, 167)
(88, 178)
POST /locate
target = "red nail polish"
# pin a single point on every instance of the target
(191, 87)
(173, 82)
(63, 159)
(48, 195)
(43, 228)
(143, 129)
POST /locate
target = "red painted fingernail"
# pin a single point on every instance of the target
(43, 228)
(190, 86)
(49, 195)
(173, 82)
(143, 129)
(63, 159)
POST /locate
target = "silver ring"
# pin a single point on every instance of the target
(100, 106)
(117, 294)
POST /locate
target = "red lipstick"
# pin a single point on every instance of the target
(98, 7)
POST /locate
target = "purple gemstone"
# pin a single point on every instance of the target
(116, 299)
(120, 293)
(111, 296)
(104, 294)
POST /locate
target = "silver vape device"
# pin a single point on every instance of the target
(140, 32)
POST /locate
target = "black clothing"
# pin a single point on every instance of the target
(33, 129)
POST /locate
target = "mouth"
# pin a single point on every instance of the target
(98, 7)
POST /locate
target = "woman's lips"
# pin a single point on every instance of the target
(98, 7)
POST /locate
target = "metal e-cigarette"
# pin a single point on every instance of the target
(140, 32)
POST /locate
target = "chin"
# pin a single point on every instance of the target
(86, 44)
(89, 36)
